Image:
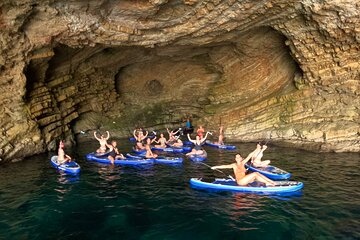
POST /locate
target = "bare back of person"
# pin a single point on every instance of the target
(221, 136)
(61, 156)
(103, 143)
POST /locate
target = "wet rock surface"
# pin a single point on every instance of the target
(285, 70)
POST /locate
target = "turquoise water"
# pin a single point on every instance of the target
(156, 202)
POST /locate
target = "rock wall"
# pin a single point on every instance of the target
(285, 70)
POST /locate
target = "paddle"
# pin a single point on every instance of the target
(218, 171)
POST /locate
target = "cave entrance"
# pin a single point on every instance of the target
(158, 87)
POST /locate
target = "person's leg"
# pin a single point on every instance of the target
(199, 152)
(262, 178)
(111, 158)
(249, 178)
(265, 163)
(193, 151)
(262, 163)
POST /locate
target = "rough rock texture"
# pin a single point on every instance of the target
(288, 70)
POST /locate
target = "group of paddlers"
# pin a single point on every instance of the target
(143, 142)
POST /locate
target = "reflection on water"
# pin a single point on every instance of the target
(156, 201)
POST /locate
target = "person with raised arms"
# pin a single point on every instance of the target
(162, 140)
(103, 141)
(140, 137)
(62, 156)
(241, 177)
(198, 142)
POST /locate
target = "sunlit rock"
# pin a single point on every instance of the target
(285, 70)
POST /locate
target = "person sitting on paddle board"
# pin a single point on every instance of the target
(198, 142)
(114, 152)
(140, 137)
(162, 140)
(221, 136)
(62, 157)
(178, 143)
(103, 141)
(259, 153)
(242, 178)
(172, 134)
(149, 153)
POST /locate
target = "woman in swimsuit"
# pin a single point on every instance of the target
(162, 140)
(149, 153)
(114, 152)
(197, 150)
(103, 142)
(139, 139)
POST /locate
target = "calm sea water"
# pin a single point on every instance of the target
(156, 202)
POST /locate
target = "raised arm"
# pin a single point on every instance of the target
(188, 135)
(134, 133)
(96, 136)
(264, 147)
(147, 133)
(108, 135)
(248, 157)
(204, 138)
(175, 132)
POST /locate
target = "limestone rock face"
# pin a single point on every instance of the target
(285, 70)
